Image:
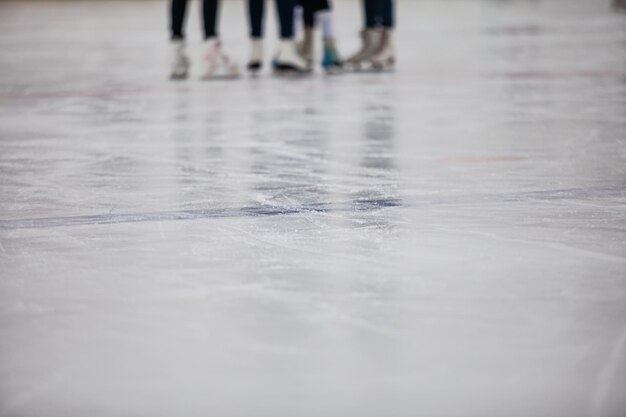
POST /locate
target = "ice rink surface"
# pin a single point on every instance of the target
(448, 240)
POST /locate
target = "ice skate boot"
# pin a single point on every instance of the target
(288, 61)
(218, 64)
(256, 56)
(305, 47)
(180, 62)
(384, 58)
(331, 62)
(370, 44)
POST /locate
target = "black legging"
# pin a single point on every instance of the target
(256, 10)
(310, 7)
(378, 13)
(209, 15)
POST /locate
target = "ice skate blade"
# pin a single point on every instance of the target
(290, 71)
(357, 67)
(372, 69)
(179, 77)
(384, 66)
(254, 69)
(291, 74)
(380, 69)
(334, 70)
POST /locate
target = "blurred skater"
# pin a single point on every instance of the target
(217, 62)
(313, 13)
(287, 58)
(377, 51)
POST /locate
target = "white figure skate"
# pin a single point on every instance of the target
(218, 64)
(256, 56)
(288, 61)
(305, 47)
(384, 59)
(180, 61)
(371, 41)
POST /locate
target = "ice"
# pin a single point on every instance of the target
(445, 240)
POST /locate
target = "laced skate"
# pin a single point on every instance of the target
(305, 47)
(218, 64)
(180, 62)
(288, 61)
(384, 58)
(371, 40)
(256, 56)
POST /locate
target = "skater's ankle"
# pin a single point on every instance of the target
(330, 43)
(256, 54)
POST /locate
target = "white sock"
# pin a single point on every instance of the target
(325, 19)
(298, 12)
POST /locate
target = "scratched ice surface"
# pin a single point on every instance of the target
(446, 240)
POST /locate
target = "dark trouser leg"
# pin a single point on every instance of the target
(256, 10)
(386, 13)
(320, 5)
(370, 13)
(177, 16)
(209, 15)
(285, 16)
(309, 15)
(311, 7)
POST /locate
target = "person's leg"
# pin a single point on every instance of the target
(209, 16)
(218, 64)
(256, 14)
(384, 58)
(288, 59)
(305, 11)
(325, 20)
(285, 17)
(180, 62)
(387, 16)
(314, 13)
(312, 8)
(331, 60)
(256, 10)
(308, 15)
(369, 12)
(178, 9)
(371, 36)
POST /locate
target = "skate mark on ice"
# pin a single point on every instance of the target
(159, 216)
(353, 206)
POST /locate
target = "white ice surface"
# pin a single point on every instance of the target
(447, 240)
